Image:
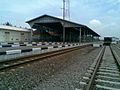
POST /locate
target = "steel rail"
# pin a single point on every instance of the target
(116, 57)
(99, 59)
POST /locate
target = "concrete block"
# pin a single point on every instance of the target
(46, 43)
(26, 50)
(55, 46)
(34, 49)
(3, 43)
(25, 42)
(59, 46)
(50, 47)
(13, 51)
(29, 44)
(96, 45)
(2, 53)
(33, 42)
(66, 45)
(15, 45)
(39, 44)
(6, 45)
(43, 48)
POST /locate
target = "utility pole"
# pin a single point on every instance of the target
(63, 21)
(64, 9)
(68, 9)
(66, 13)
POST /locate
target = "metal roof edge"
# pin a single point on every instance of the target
(5, 27)
(45, 15)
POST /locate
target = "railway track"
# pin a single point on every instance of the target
(10, 64)
(104, 73)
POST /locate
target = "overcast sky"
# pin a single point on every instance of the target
(103, 16)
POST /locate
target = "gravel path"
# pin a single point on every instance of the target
(62, 72)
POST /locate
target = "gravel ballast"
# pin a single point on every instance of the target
(62, 72)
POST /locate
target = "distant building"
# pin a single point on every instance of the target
(115, 40)
(14, 34)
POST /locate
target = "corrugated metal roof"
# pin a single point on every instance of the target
(79, 25)
(45, 15)
(14, 28)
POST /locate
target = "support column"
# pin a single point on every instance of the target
(88, 36)
(80, 36)
(39, 35)
(70, 36)
(84, 36)
(97, 38)
(92, 38)
(63, 33)
(31, 35)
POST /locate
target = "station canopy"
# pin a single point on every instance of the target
(56, 24)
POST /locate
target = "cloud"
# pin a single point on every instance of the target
(100, 15)
(95, 23)
(26, 6)
(111, 29)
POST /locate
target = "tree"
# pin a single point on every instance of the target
(8, 24)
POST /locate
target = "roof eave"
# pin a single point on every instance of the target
(55, 18)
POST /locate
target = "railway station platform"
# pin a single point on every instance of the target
(12, 53)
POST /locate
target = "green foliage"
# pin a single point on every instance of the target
(8, 24)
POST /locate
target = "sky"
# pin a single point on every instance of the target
(102, 16)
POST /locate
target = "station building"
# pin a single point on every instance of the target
(53, 29)
(14, 34)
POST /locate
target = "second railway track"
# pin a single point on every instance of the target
(25, 60)
(104, 73)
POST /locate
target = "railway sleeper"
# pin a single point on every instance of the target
(101, 87)
(108, 78)
(108, 71)
(107, 83)
(108, 74)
